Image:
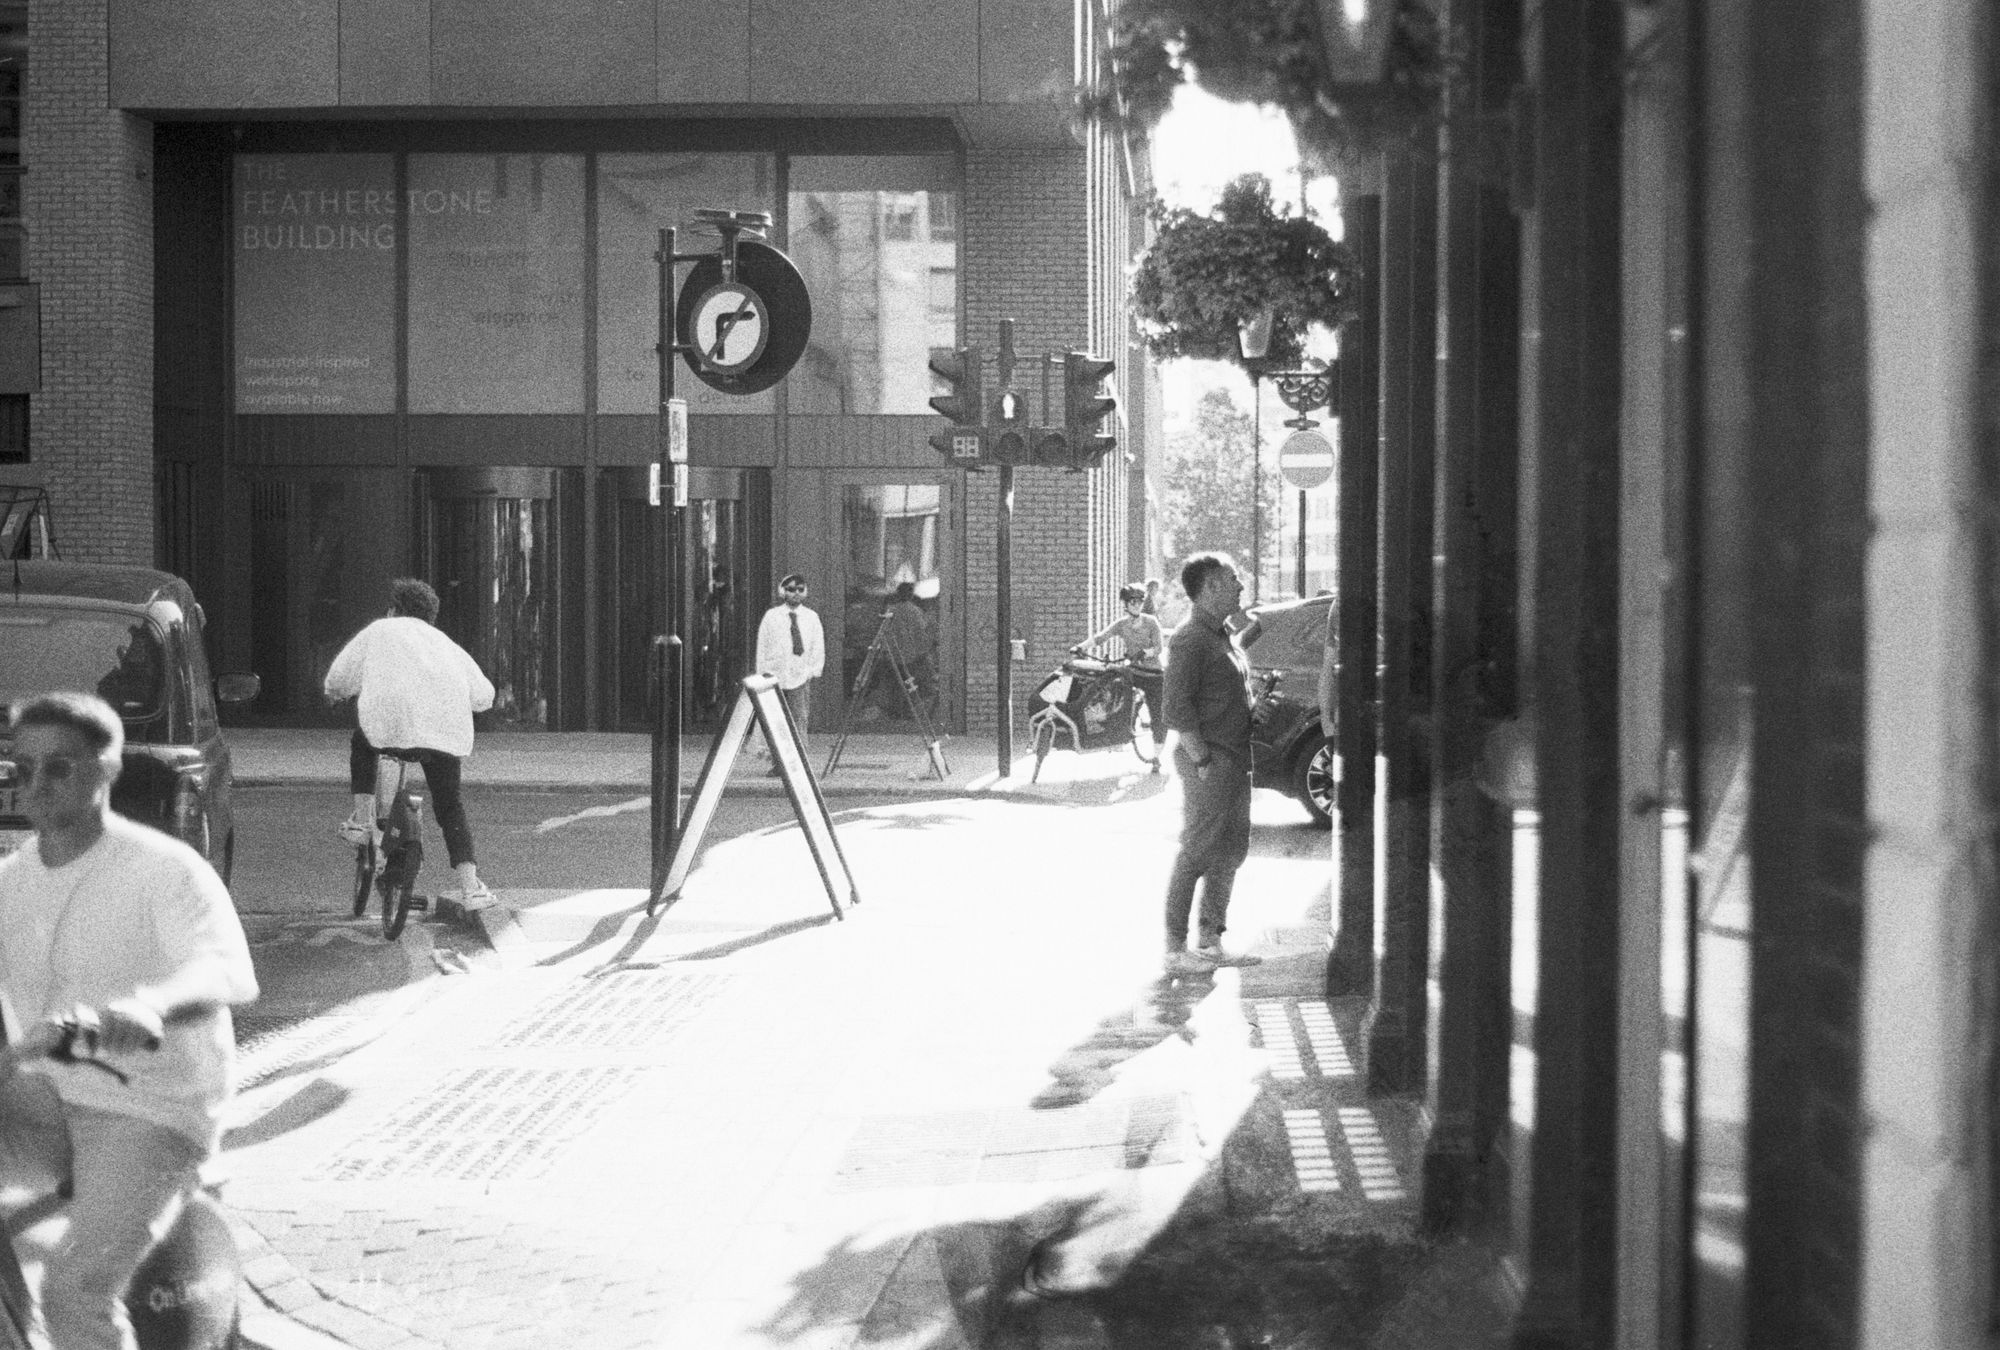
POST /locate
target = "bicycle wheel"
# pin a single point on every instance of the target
(367, 863)
(397, 898)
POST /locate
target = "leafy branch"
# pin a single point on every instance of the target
(1272, 52)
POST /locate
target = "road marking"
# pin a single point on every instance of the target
(595, 812)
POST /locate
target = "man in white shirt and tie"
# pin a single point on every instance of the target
(791, 647)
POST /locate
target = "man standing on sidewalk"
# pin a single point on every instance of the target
(1208, 703)
(791, 648)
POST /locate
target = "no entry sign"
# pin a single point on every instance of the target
(1306, 459)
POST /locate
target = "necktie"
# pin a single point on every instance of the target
(798, 639)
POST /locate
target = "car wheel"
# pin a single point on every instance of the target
(1312, 778)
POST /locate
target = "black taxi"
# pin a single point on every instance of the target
(133, 636)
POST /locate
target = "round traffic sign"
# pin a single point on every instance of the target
(730, 329)
(779, 292)
(1306, 459)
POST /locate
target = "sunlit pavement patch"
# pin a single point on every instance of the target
(1370, 1152)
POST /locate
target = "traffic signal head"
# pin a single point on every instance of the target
(1084, 409)
(1049, 447)
(1009, 444)
(965, 441)
(960, 372)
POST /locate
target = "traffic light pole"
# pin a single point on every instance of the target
(1004, 621)
(668, 691)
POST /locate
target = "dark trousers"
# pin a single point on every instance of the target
(441, 772)
(1153, 684)
(1215, 839)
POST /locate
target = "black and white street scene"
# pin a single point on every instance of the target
(999, 675)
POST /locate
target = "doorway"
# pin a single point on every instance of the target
(499, 546)
(897, 580)
(722, 552)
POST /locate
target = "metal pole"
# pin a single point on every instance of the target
(667, 692)
(1004, 622)
(1256, 489)
(1302, 543)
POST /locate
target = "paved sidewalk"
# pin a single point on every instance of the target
(744, 1123)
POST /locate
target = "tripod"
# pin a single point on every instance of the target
(883, 647)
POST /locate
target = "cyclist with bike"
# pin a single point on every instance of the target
(1144, 641)
(417, 691)
(110, 923)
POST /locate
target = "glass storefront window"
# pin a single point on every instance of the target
(637, 197)
(314, 244)
(891, 535)
(496, 283)
(872, 236)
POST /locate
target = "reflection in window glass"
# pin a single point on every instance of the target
(121, 661)
(891, 535)
(496, 283)
(863, 233)
(637, 197)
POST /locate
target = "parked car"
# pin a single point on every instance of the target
(1288, 752)
(134, 637)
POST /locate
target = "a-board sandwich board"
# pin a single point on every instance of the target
(761, 705)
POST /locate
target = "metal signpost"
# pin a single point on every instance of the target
(1306, 459)
(741, 323)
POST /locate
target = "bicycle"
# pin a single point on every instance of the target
(1095, 703)
(387, 862)
(183, 1296)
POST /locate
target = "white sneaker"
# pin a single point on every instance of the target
(1216, 956)
(1189, 963)
(355, 832)
(478, 898)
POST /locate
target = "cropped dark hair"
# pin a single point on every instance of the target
(1195, 571)
(791, 579)
(86, 714)
(1131, 591)
(414, 599)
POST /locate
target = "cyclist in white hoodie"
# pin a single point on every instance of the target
(417, 692)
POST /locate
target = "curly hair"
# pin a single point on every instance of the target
(414, 599)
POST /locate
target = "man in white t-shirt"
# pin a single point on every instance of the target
(417, 691)
(791, 648)
(103, 916)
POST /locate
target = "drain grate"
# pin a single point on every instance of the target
(959, 1148)
(482, 1124)
(622, 1010)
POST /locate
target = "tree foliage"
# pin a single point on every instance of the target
(1203, 274)
(1271, 52)
(1208, 483)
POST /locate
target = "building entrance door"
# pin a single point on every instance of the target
(501, 545)
(722, 551)
(896, 579)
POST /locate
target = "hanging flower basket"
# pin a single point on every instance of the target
(1205, 275)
